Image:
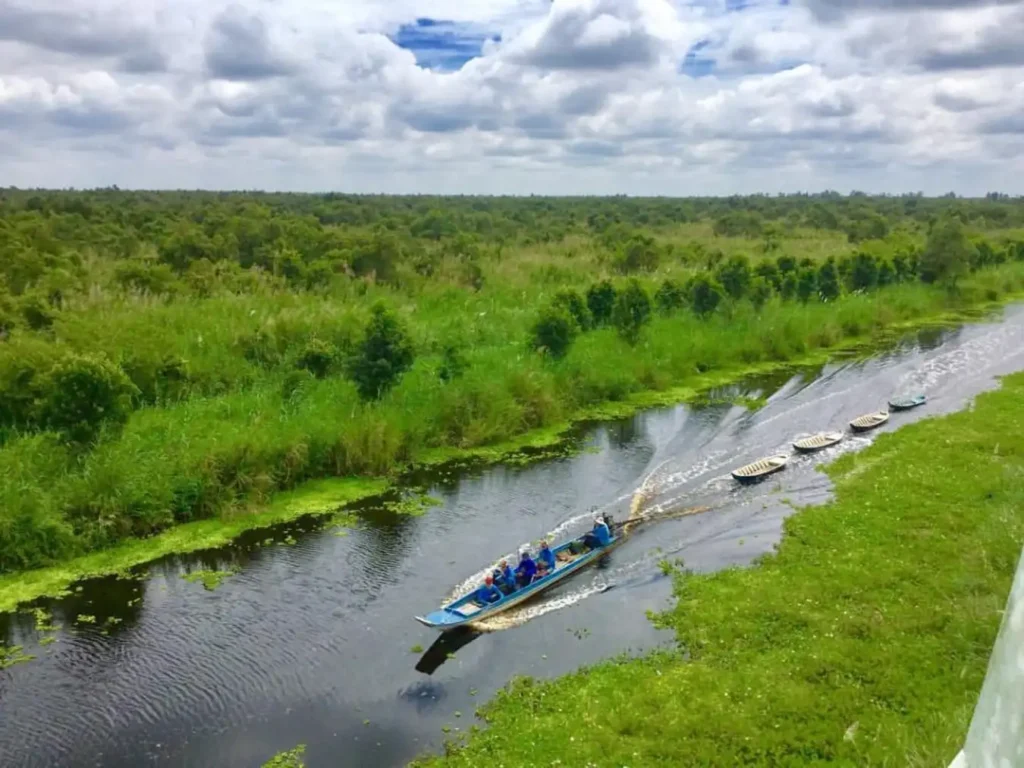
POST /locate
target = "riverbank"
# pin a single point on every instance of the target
(327, 496)
(863, 641)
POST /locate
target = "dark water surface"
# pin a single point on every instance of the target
(311, 643)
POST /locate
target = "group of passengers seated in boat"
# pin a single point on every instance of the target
(504, 581)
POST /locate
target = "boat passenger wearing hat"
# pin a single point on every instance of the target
(487, 592)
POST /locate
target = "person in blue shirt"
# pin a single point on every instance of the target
(599, 536)
(487, 592)
(505, 578)
(526, 570)
(546, 556)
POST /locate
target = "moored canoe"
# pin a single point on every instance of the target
(760, 468)
(818, 442)
(869, 421)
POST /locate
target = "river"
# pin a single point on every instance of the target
(313, 641)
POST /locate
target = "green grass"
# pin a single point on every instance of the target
(324, 496)
(863, 641)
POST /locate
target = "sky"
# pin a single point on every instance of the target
(638, 97)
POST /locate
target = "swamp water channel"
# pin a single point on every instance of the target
(311, 640)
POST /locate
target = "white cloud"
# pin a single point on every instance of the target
(577, 96)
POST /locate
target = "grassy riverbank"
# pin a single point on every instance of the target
(863, 641)
(171, 358)
(660, 371)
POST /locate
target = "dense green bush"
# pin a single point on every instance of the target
(632, 311)
(576, 306)
(734, 277)
(670, 296)
(81, 395)
(601, 301)
(317, 357)
(384, 354)
(554, 331)
(639, 254)
(705, 295)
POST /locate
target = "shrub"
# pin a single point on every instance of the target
(863, 272)
(770, 273)
(317, 357)
(828, 281)
(670, 296)
(601, 301)
(384, 354)
(948, 253)
(575, 305)
(554, 331)
(734, 276)
(453, 363)
(83, 394)
(705, 295)
(806, 284)
(639, 254)
(294, 383)
(788, 288)
(632, 311)
(760, 292)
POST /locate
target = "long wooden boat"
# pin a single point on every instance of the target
(468, 609)
(869, 421)
(818, 442)
(760, 468)
(906, 403)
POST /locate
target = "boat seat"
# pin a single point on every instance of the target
(469, 609)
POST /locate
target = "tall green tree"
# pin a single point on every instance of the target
(601, 302)
(383, 355)
(734, 276)
(632, 311)
(948, 253)
(554, 331)
(705, 295)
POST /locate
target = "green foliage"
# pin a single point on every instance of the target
(554, 331)
(576, 306)
(828, 281)
(705, 295)
(670, 296)
(734, 277)
(863, 275)
(947, 254)
(293, 758)
(384, 354)
(146, 277)
(632, 311)
(317, 357)
(807, 284)
(789, 286)
(453, 363)
(739, 224)
(760, 293)
(639, 254)
(601, 302)
(81, 395)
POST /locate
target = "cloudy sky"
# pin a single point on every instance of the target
(661, 97)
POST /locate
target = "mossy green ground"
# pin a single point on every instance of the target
(321, 496)
(863, 641)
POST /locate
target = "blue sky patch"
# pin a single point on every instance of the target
(697, 63)
(442, 45)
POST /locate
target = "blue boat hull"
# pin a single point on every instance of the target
(905, 404)
(466, 611)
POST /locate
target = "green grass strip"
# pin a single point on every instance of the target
(863, 641)
(320, 496)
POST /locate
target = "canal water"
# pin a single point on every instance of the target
(313, 641)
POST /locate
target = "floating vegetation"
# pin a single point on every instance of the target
(47, 640)
(210, 579)
(290, 759)
(416, 648)
(43, 620)
(13, 655)
(85, 618)
(414, 505)
(290, 541)
(579, 634)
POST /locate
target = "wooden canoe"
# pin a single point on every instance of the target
(760, 468)
(818, 442)
(468, 609)
(869, 421)
(906, 403)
